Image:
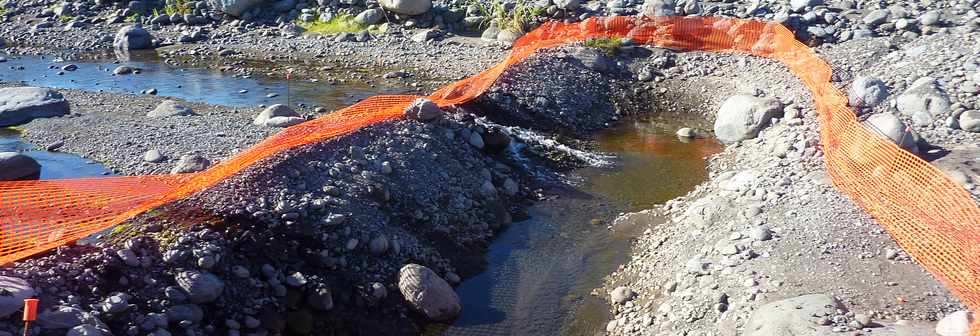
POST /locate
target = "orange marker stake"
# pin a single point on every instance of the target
(30, 313)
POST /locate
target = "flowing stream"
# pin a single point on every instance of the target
(541, 270)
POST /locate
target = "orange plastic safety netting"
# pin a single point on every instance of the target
(933, 218)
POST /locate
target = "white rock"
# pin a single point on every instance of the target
(955, 324)
(742, 117)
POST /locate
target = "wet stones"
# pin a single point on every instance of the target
(170, 108)
(378, 245)
(122, 70)
(742, 117)
(428, 293)
(19, 105)
(13, 291)
(201, 287)
(191, 163)
(133, 37)
(17, 166)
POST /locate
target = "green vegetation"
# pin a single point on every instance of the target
(175, 7)
(520, 18)
(133, 18)
(65, 18)
(609, 45)
(342, 23)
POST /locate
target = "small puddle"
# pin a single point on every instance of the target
(207, 85)
(54, 165)
(541, 271)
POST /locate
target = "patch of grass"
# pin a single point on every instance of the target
(609, 45)
(175, 7)
(342, 23)
(65, 18)
(133, 18)
(519, 18)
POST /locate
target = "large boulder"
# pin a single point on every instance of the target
(407, 7)
(133, 37)
(17, 166)
(955, 324)
(742, 117)
(370, 16)
(890, 127)
(13, 291)
(190, 164)
(923, 101)
(970, 121)
(170, 108)
(19, 105)
(867, 92)
(423, 110)
(201, 287)
(793, 317)
(658, 8)
(278, 115)
(234, 7)
(428, 293)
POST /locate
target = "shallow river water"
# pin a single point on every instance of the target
(541, 270)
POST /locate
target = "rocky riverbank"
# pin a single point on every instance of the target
(767, 245)
(322, 239)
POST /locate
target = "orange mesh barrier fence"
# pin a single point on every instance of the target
(933, 218)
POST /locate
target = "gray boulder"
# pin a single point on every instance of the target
(19, 105)
(17, 166)
(622, 294)
(742, 117)
(201, 287)
(14, 291)
(658, 8)
(923, 101)
(407, 7)
(170, 108)
(792, 317)
(133, 37)
(277, 110)
(509, 36)
(970, 121)
(428, 293)
(867, 92)
(190, 164)
(423, 110)
(370, 16)
(233, 7)
(890, 127)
